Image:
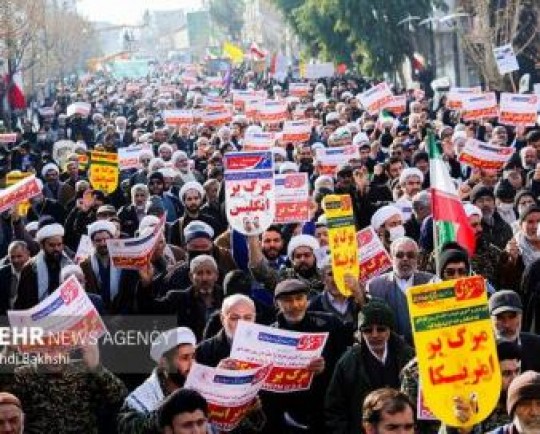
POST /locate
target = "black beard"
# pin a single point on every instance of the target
(53, 257)
(177, 378)
(194, 254)
(306, 274)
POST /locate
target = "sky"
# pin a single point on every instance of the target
(129, 11)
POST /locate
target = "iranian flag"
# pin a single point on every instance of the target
(450, 220)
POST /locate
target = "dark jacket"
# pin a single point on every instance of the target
(211, 351)
(188, 307)
(499, 233)
(307, 407)
(5, 277)
(128, 219)
(350, 384)
(177, 228)
(47, 207)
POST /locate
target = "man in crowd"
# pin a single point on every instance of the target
(10, 274)
(11, 414)
(387, 410)
(173, 351)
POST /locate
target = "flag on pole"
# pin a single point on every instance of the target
(450, 221)
(256, 52)
(233, 52)
(16, 97)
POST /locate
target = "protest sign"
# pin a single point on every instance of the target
(25, 189)
(134, 253)
(315, 71)
(80, 108)
(397, 105)
(249, 191)
(13, 178)
(251, 107)
(296, 131)
(300, 90)
(328, 159)
(83, 160)
(292, 198)
(213, 103)
(484, 155)
(454, 98)
(128, 158)
(177, 118)
(84, 250)
(376, 98)
(422, 411)
(66, 317)
(342, 239)
(258, 141)
(104, 171)
(46, 112)
(373, 257)
(230, 394)
(7, 138)
(477, 107)
(517, 109)
(457, 356)
(61, 150)
(288, 352)
(272, 112)
(506, 59)
(216, 118)
(240, 97)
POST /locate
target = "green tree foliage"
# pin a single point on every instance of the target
(229, 16)
(343, 30)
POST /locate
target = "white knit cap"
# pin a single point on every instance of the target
(49, 231)
(100, 226)
(410, 171)
(191, 185)
(383, 214)
(287, 166)
(301, 241)
(170, 339)
(48, 167)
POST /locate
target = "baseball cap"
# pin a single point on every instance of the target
(505, 301)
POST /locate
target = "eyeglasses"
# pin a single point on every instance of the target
(409, 255)
(450, 272)
(369, 330)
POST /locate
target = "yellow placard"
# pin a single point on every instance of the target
(456, 349)
(104, 171)
(342, 239)
(11, 179)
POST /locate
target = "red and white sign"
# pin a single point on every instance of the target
(397, 104)
(217, 118)
(273, 112)
(454, 98)
(258, 142)
(296, 131)
(7, 138)
(376, 98)
(328, 159)
(128, 158)
(372, 256)
(288, 352)
(484, 155)
(292, 198)
(477, 107)
(81, 108)
(300, 90)
(25, 189)
(251, 107)
(178, 117)
(518, 109)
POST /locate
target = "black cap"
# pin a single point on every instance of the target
(505, 301)
(290, 286)
(481, 191)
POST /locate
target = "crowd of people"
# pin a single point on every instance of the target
(208, 277)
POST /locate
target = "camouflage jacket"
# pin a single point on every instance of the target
(68, 401)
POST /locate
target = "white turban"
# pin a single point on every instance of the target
(165, 146)
(323, 179)
(288, 165)
(48, 167)
(408, 172)
(360, 138)
(32, 226)
(383, 214)
(302, 241)
(332, 117)
(168, 172)
(191, 185)
(279, 151)
(49, 231)
(149, 221)
(146, 153)
(471, 210)
(170, 339)
(101, 225)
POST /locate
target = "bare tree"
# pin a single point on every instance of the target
(19, 21)
(494, 23)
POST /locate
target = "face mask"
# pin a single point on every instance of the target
(396, 232)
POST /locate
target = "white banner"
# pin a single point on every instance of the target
(506, 59)
(517, 109)
(376, 98)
